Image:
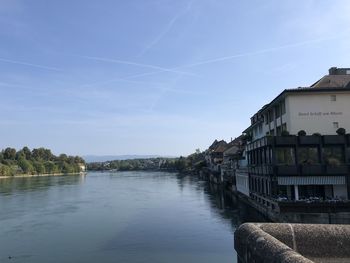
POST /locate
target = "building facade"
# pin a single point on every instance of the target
(295, 153)
(321, 108)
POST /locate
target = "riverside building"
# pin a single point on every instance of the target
(298, 158)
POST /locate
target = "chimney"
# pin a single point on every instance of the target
(332, 70)
(339, 71)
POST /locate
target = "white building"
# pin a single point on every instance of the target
(303, 166)
(321, 108)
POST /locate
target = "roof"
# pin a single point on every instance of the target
(220, 148)
(333, 81)
(232, 150)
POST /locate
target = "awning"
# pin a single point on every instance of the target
(310, 180)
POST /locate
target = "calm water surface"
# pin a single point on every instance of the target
(117, 217)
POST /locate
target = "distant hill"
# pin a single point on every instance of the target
(104, 158)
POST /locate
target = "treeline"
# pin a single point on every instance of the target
(37, 161)
(132, 164)
(180, 164)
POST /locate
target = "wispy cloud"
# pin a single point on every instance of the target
(246, 54)
(124, 62)
(126, 80)
(168, 27)
(258, 52)
(170, 88)
(28, 64)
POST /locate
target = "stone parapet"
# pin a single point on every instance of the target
(292, 243)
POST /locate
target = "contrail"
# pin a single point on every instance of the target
(220, 59)
(119, 80)
(167, 28)
(258, 52)
(28, 64)
(118, 61)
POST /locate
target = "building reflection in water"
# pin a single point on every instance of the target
(222, 202)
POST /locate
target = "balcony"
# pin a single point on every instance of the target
(334, 139)
(286, 169)
(309, 140)
(311, 169)
(337, 170)
(314, 207)
(285, 140)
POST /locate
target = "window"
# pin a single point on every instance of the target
(285, 156)
(335, 125)
(308, 155)
(333, 155)
(283, 107)
(271, 115)
(284, 127)
(277, 111)
(266, 118)
(333, 97)
(279, 130)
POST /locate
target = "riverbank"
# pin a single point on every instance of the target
(38, 175)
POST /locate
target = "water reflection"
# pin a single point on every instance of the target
(12, 185)
(118, 217)
(222, 202)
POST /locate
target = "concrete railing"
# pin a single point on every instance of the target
(292, 243)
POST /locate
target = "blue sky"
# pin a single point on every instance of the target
(155, 76)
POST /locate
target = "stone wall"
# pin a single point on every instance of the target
(292, 243)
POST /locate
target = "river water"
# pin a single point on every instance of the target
(118, 217)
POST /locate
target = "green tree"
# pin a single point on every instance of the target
(27, 153)
(39, 167)
(10, 154)
(25, 165)
(6, 170)
(42, 154)
(51, 167)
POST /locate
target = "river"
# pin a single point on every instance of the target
(118, 217)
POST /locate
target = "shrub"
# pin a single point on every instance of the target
(301, 133)
(316, 134)
(341, 131)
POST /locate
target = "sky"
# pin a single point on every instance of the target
(161, 77)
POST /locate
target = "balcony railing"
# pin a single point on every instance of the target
(311, 169)
(334, 139)
(309, 140)
(301, 140)
(340, 169)
(302, 169)
(287, 169)
(285, 140)
(311, 205)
